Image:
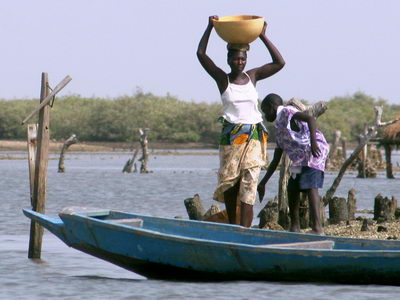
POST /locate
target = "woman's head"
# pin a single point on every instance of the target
(270, 105)
(237, 57)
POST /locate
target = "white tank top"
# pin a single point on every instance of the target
(240, 103)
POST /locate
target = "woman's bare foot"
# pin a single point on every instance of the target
(313, 231)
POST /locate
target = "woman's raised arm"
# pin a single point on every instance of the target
(271, 68)
(215, 72)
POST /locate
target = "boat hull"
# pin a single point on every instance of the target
(169, 256)
(334, 272)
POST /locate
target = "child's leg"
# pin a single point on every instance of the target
(230, 198)
(294, 206)
(315, 204)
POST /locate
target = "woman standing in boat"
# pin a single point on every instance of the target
(243, 139)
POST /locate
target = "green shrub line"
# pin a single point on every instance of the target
(169, 119)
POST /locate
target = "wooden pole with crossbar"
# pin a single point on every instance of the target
(39, 180)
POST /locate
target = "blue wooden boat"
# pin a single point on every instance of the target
(177, 249)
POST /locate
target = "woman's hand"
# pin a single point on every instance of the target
(210, 20)
(264, 29)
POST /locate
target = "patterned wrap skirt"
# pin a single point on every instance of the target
(242, 153)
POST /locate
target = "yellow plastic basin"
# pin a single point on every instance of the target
(241, 29)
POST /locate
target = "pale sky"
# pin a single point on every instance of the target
(112, 48)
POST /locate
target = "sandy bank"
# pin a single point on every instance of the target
(55, 146)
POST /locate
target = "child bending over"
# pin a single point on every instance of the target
(297, 135)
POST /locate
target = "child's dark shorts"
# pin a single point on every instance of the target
(309, 178)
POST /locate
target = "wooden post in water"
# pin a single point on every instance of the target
(130, 163)
(362, 173)
(145, 150)
(39, 186)
(283, 207)
(333, 149)
(70, 141)
(32, 135)
(343, 140)
(39, 178)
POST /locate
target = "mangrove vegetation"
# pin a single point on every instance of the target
(170, 119)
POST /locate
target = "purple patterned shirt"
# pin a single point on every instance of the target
(297, 145)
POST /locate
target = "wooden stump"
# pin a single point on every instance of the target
(145, 150)
(214, 209)
(384, 209)
(269, 214)
(214, 214)
(351, 205)
(283, 206)
(333, 148)
(344, 149)
(219, 217)
(364, 226)
(130, 163)
(70, 141)
(337, 210)
(397, 213)
(194, 207)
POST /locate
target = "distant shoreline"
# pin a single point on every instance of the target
(55, 146)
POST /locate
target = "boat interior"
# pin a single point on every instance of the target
(237, 234)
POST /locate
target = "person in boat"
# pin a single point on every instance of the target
(298, 136)
(244, 138)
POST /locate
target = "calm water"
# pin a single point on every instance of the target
(96, 180)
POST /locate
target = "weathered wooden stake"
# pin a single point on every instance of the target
(363, 163)
(351, 204)
(343, 140)
(283, 207)
(32, 135)
(145, 150)
(70, 141)
(130, 163)
(39, 186)
(335, 143)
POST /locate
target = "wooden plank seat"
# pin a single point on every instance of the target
(135, 222)
(326, 244)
